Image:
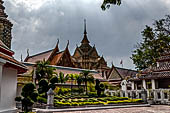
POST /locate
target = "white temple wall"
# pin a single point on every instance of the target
(8, 90)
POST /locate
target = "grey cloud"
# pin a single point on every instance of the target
(114, 31)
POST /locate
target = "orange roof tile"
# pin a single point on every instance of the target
(56, 58)
(39, 57)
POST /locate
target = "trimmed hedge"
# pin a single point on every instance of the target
(94, 101)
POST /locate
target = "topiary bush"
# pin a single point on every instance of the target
(29, 96)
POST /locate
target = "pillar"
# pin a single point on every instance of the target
(133, 85)
(2, 62)
(144, 84)
(153, 83)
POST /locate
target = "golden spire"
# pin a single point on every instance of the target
(85, 40)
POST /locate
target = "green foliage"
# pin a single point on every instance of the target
(78, 90)
(43, 86)
(94, 101)
(100, 87)
(41, 100)
(155, 40)
(29, 95)
(63, 78)
(18, 99)
(63, 91)
(92, 94)
(87, 77)
(54, 80)
(107, 3)
(43, 70)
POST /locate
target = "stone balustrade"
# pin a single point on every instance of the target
(158, 95)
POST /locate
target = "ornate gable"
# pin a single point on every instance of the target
(93, 52)
(114, 74)
(62, 58)
(77, 53)
(56, 50)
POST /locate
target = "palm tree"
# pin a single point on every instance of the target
(71, 76)
(62, 78)
(43, 70)
(87, 77)
(79, 80)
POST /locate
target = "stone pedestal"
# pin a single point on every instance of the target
(144, 95)
(50, 99)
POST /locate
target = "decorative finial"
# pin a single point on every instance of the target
(21, 58)
(85, 32)
(67, 43)
(58, 41)
(112, 63)
(28, 53)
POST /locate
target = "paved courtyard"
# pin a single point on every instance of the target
(152, 109)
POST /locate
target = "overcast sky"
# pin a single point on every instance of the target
(38, 24)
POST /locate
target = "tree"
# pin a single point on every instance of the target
(63, 78)
(107, 3)
(43, 70)
(29, 96)
(155, 40)
(43, 86)
(86, 77)
(99, 87)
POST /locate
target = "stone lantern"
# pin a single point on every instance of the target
(50, 99)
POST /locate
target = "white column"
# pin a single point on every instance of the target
(153, 83)
(144, 84)
(2, 62)
(133, 85)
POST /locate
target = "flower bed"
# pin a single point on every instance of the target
(94, 101)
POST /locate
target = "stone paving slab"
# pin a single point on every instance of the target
(152, 109)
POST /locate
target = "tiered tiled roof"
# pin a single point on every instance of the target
(6, 54)
(2, 8)
(162, 70)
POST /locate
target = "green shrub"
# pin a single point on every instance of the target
(41, 100)
(92, 94)
(78, 90)
(63, 91)
(18, 99)
(54, 80)
(92, 100)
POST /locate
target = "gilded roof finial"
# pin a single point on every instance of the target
(21, 58)
(85, 40)
(67, 43)
(28, 54)
(85, 32)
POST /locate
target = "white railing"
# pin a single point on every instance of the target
(158, 95)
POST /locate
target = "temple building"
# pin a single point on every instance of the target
(5, 27)
(84, 57)
(9, 67)
(54, 56)
(154, 79)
